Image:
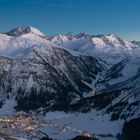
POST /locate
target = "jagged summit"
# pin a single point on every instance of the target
(24, 30)
(82, 34)
(112, 34)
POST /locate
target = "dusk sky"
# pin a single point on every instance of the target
(121, 17)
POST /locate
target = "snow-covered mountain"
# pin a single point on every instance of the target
(19, 41)
(24, 30)
(60, 72)
(33, 66)
(79, 59)
(110, 48)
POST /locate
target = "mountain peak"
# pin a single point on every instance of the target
(82, 34)
(24, 30)
(113, 35)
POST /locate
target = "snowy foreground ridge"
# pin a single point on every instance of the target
(67, 85)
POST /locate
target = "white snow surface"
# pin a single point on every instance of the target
(36, 31)
(8, 107)
(29, 83)
(131, 69)
(19, 138)
(94, 123)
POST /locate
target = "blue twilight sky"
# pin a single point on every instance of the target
(121, 17)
